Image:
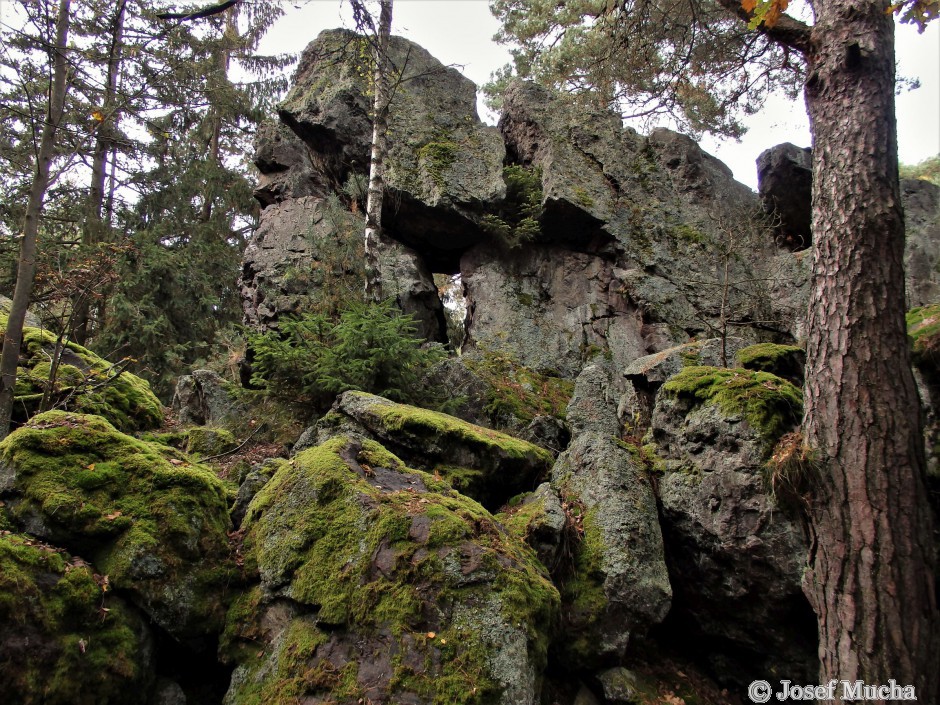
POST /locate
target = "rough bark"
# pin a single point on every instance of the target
(376, 190)
(26, 266)
(872, 568)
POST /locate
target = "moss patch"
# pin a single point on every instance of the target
(769, 404)
(64, 640)
(152, 521)
(85, 383)
(518, 393)
(785, 361)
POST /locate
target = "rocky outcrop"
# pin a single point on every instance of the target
(735, 557)
(379, 583)
(203, 398)
(619, 584)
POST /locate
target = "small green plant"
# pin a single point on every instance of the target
(369, 347)
(518, 220)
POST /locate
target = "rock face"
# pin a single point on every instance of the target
(735, 556)
(785, 184)
(379, 583)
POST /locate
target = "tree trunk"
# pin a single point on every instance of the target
(379, 150)
(872, 569)
(95, 225)
(26, 267)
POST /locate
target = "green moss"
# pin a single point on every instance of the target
(785, 361)
(370, 560)
(150, 524)
(582, 592)
(923, 328)
(437, 157)
(583, 197)
(769, 404)
(206, 441)
(686, 232)
(82, 646)
(92, 384)
(516, 391)
(423, 422)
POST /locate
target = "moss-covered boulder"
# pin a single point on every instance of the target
(482, 463)
(787, 361)
(65, 639)
(736, 557)
(539, 519)
(84, 382)
(923, 327)
(206, 441)
(150, 520)
(379, 583)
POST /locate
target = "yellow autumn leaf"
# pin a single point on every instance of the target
(748, 5)
(97, 116)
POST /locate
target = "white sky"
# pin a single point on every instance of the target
(460, 32)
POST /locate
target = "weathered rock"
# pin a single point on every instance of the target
(31, 320)
(443, 164)
(286, 166)
(152, 522)
(735, 557)
(484, 464)
(619, 584)
(373, 592)
(306, 255)
(204, 398)
(785, 184)
(65, 639)
(921, 201)
(619, 685)
(256, 478)
(208, 441)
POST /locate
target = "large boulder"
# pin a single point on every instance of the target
(65, 639)
(618, 584)
(736, 557)
(151, 521)
(203, 398)
(379, 583)
(487, 465)
(443, 164)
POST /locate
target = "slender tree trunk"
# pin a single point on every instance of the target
(872, 572)
(26, 268)
(95, 225)
(379, 150)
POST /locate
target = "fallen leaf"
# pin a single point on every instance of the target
(431, 635)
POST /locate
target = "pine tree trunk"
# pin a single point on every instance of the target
(26, 267)
(379, 150)
(872, 571)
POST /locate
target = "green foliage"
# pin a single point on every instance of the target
(770, 405)
(370, 348)
(928, 170)
(518, 219)
(647, 59)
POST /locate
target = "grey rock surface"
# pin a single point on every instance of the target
(620, 521)
(785, 184)
(204, 398)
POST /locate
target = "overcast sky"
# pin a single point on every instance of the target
(460, 32)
